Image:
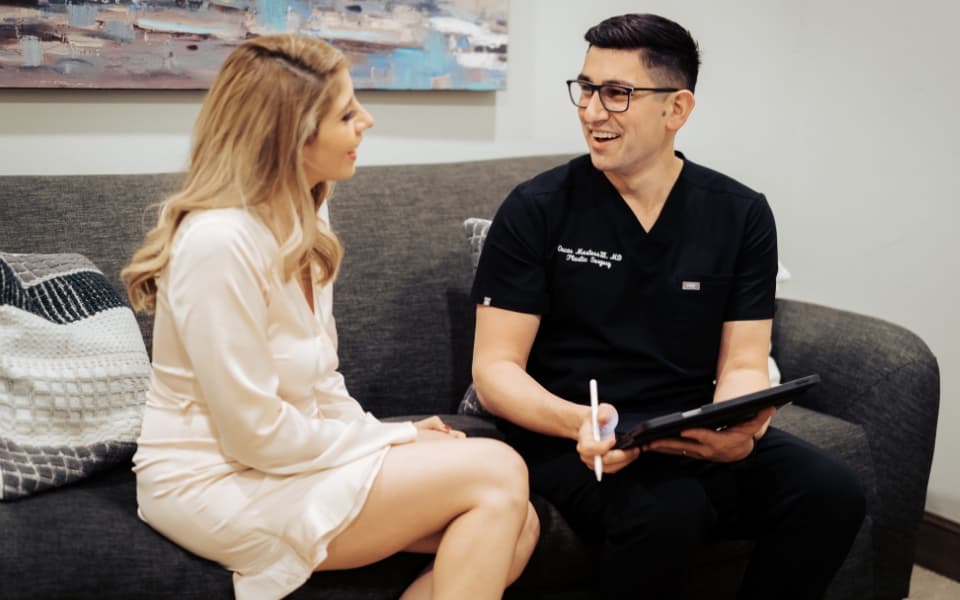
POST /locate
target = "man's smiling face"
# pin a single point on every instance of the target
(623, 142)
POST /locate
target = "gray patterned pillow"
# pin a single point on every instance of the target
(476, 230)
(73, 373)
(476, 233)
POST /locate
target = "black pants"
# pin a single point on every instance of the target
(802, 507)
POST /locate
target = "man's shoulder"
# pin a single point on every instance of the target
(544, 199)
(555, 180)
(716, 183)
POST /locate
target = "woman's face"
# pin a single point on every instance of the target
(331, 155)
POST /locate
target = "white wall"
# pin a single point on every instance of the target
(841, 112)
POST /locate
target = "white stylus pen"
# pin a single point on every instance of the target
(594, 405)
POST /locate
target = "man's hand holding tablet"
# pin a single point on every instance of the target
(727, 418)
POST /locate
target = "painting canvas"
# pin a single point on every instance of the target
(179, 44)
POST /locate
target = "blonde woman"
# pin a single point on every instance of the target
(252, 453)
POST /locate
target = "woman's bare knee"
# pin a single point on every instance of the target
(501, 470)
(501, 461)
(452, 478)
(502, 487)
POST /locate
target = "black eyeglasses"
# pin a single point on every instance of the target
(614, 98)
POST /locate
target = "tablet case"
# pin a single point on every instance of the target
(715, 415)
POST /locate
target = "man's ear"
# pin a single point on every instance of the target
(678, 109)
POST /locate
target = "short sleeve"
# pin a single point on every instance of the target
(755, 274)
(511, 273)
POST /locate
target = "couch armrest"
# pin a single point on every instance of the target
(884, 378)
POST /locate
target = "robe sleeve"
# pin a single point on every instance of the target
(218, 282)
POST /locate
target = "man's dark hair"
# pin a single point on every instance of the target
(666, 48)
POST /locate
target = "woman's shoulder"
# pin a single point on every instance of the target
(236, 220)
(220, 230)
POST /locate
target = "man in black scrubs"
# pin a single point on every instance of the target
(655, 276)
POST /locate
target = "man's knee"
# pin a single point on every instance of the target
(820, 488)
(831, 498)
(841, 494)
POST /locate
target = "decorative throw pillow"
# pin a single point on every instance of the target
(476, 230)
(73, 373)
(476, 234)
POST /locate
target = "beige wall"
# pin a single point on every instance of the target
(843, 113)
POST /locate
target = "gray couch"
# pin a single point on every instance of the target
(406, 329)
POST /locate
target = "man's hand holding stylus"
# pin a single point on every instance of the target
(587, 447)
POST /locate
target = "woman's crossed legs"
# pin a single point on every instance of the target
(467, 500)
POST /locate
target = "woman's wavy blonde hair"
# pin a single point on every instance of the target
(263, 108)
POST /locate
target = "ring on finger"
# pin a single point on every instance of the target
(683, 452)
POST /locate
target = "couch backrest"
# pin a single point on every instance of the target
(103, 217)
(401, 301)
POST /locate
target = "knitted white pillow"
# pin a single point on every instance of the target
(73, 373)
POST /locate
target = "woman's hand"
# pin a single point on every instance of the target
(433, 428)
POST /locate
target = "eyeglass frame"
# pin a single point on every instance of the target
(629, 89)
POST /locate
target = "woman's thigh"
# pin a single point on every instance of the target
(420, 489)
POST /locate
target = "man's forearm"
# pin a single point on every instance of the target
(738, 382)
(506, 390)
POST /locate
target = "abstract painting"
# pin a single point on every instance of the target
(179, 44)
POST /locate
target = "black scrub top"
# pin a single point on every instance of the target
(640, 311)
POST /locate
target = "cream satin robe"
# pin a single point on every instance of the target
(252, 453)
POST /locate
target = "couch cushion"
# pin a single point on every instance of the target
(85, 542)
(102, 217)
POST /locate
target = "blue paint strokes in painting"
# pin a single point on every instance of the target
(416, 68)
(391, 44)
(272, 16)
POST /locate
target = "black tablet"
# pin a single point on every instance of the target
(715, 415)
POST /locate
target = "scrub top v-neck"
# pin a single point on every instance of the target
(639, 310)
